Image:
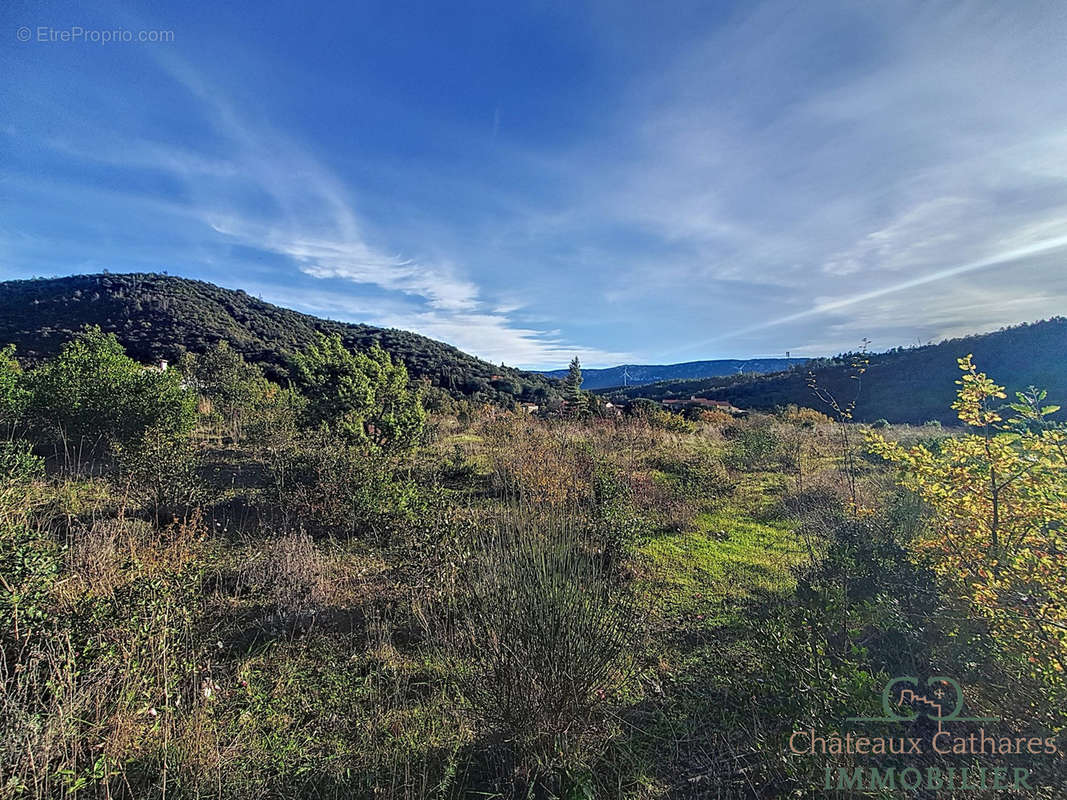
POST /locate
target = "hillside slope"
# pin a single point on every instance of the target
(640, 374)
(904, 385)
(156, 316)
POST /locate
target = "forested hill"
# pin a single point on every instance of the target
(156, 316)
(638, 374)
(903, 385)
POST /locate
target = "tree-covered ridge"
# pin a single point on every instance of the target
(639, 374)
(159, 316)
(902, 385)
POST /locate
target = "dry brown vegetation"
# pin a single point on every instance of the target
(640, 606)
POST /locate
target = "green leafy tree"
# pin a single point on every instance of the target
(366, 397)
(93, 395)
(235, 388)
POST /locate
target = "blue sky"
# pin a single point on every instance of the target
(532, 181)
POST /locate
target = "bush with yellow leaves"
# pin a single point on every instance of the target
(999, 497)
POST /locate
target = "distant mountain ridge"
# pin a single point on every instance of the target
(157, 316)
(901, 385)
(640, 374)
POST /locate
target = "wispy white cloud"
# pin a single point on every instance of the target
(270, 194)
(491, 335)
(778, 153)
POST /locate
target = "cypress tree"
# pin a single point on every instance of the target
(577, 402)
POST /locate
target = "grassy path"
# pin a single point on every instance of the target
(715, 585)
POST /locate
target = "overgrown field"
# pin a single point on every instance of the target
(213, 586)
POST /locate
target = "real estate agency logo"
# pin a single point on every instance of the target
(906, 700)
(941, 702)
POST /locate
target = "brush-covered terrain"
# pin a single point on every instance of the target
(217, 587)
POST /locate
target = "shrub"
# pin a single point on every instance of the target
(695, 477)
(803, 416)
(327, 486)
(616, 521)
(163, 466)
(753, 446)
(714, 417)
(457, 468)
(91, 709)
(545, 632)
(18, 464)
(29, 564)
(29, 561)
(291, 574)
(668, 421)
(610, 489)
(997, 493)
(14, 395)
(539, 464)
(275, 426)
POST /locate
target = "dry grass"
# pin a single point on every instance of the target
(291, 574)
(457, 654)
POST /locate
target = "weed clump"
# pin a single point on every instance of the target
(544, 632)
